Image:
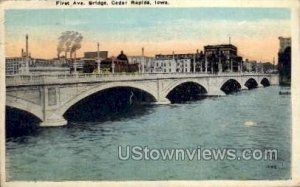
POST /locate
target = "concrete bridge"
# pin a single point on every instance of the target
(48, 97)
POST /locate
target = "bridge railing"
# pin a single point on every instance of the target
(14, 80)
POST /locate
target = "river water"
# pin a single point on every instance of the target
(259, 118)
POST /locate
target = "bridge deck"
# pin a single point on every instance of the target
(24, 80)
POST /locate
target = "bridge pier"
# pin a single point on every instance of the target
(216, 93)
(54, 122)
(51, 105)
(243, 87)
(163, 101)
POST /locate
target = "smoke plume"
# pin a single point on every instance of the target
(69, 42)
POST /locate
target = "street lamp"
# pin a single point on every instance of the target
(112, 65)
(194, 64)
(206, 63)
(98, 59)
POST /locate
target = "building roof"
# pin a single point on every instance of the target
(122, 57)
(94, 54)
(220, 46)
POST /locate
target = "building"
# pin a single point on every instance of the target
(164, 66)
(28, 65)
(25, 64)
(249, 65)
(172, 63)
(110, 65)
(284, 60)
(214, 59)
(183, 65)
(94, 54)
(145, 64)
(77, 65)
(180, 59)
(89, 61)
(222, 58)
(16, 65)
(284, 43)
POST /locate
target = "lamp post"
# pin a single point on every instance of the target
(220, 69)
(143, 61)
(194, 64)
(241, 66)
(231, 65)
(98, 59)
(113, 65)
(273, 64)
(255, 67)
(205, 62)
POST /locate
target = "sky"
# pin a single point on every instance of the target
(254, 31)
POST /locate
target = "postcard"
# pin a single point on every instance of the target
(149, 92)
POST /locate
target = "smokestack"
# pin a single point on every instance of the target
(142, 51)
(26, 45)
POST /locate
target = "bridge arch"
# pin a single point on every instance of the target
(190, 90)
(251, 83)
(64, 107)
(24, 105)
(265, 82)
(230, 85)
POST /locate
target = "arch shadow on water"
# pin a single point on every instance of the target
(231, 86)
(20, 123)
(110, 105)
(186, 92)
